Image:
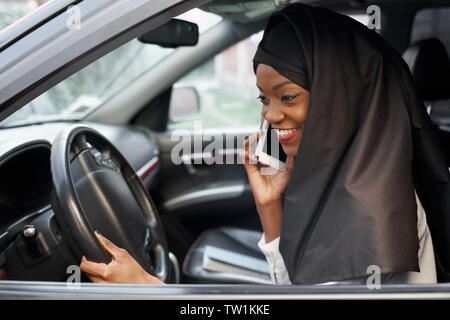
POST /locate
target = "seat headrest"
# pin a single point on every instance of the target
(430, 66)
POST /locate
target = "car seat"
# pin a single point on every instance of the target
(430, 66)
(226, 255)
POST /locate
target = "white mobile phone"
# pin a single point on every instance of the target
(269, 150)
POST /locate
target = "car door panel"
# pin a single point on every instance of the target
(205, 194)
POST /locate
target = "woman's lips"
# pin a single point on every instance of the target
(286, 135)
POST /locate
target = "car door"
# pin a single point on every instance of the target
(203, 182)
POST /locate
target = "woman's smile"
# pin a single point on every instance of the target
(286, 135)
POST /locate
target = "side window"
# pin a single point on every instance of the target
(226, 87)
(434, 23)
(430, 23)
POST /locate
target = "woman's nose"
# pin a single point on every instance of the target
(274, 115)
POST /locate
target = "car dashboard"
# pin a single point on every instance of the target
(26, 192)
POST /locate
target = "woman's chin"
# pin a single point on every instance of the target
(290, 150)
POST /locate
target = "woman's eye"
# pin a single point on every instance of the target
(263, 99)
(289, 98)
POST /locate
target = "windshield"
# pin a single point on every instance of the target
(12, 10)
(90, 87)
(78, 95)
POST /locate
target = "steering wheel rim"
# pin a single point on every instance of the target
(92, 185)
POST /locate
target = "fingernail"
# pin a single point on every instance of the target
(98, 234)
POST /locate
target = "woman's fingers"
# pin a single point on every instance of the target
(94, 269)
(249, 151)
(122, 269)
(248, 157)
(97, 280)
(251, 141)
(99, 270)
(112, 249)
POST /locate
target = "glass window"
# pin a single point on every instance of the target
(12, 10)
(226, 85)
(87, 89)
(429, 23)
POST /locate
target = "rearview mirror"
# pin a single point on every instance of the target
(184, 103)
(173, 34)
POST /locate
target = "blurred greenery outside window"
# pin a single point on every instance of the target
(12, 10)
(226, 85)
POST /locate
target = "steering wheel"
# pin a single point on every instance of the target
(96, 189)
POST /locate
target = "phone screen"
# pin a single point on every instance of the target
(272, 138)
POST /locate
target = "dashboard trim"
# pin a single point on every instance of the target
(148, 168)
(23, 148)
(212, 194)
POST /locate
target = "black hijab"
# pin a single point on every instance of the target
(368, 143)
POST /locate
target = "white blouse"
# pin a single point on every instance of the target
(427, 274)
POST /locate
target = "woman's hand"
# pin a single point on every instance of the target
(267, 189)
(122, 269)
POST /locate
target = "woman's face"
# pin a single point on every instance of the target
(285, 106)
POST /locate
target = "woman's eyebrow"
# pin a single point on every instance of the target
(278, 86)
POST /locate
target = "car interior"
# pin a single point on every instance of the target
(201, 213)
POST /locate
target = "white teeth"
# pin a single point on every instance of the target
(283, 133)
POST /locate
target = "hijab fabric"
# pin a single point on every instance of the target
(367, 145)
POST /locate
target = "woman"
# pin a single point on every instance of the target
(343, 104)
